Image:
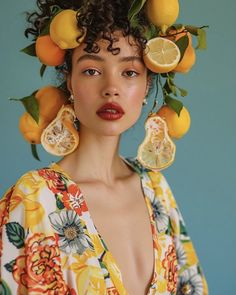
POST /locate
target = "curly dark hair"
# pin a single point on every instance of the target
(99, 18)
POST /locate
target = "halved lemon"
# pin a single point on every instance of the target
(61, 138)
(161, 55)
(157, 151)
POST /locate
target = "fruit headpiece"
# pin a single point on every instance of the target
(61, 25)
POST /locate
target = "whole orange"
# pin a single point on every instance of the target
(50, 100)
(48, 52)
(29, 128)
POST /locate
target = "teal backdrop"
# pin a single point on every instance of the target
(203, 176)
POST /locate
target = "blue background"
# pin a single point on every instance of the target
(203, 177)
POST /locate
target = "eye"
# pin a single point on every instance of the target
(91, 72)
(131, 74)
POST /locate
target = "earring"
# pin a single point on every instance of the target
(60, 138)
(71, 98)
(157, 151)
(145, 101)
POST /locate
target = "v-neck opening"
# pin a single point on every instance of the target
(58, 168)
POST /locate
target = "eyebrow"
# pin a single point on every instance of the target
(99, 58)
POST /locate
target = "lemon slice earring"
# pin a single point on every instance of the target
(61, 138)
(157, 151)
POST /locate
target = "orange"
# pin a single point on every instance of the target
(50, 100)
(48, 52)
(161, 55)
(30, 130)
(162, 13)
(178, 126)
(61, 138)
(189, 58)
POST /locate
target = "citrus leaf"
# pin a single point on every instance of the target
(151, 32)
(135, 7)
(42, 70)
(167, 88)
(182, 91)
(30, 50)
(201, 39)
(192, 29)
(176, 27)
(173, 103)
(34, 151)
(16, 234)
(45, 30)
(31, 105)
(9, 266)
(171, 85)
(182, 43)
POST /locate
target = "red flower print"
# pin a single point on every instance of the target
(54, 180)
(170, 265)
(73, 199)
(39, 270)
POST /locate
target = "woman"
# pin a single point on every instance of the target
(95, 223)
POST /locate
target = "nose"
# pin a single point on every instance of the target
(110, 88)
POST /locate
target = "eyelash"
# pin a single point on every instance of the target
(88, 72)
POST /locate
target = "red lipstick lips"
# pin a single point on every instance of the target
(110, 111)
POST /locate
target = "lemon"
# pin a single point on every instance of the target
(161, 55)
(162, 13)
(64, 30)
(61, 138)
(157, 151)
(178, 126)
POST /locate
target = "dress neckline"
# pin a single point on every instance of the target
(56, 167)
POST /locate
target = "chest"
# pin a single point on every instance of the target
(122, 219)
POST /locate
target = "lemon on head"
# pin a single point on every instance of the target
(189, 57)
(50, 100)
(64, 30)
(157, 151)
(162, 13)
(30, 129)
(48, 52)
(178, 126)
(161, 55)
(61, 138)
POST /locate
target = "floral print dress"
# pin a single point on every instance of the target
(50, 245)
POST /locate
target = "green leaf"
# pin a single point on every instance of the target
(4, 289)
(30, 50)
(151, 32)
(176, 27)
(16, 234)
(34, 151)
(182, 91)
(9, 266)
(173, 103)
(31, 105)
(182, 43)
(171, 85)
(192, 29)
(201, 39)
(135, 8)
(42, 70)
(46, 29)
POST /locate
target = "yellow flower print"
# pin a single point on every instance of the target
(190, 253)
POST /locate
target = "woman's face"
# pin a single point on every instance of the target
(108, 89)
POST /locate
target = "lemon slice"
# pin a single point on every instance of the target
(61, 138)
(161, 55)
(157, 151)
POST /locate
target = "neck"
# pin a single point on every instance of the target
(96, 159)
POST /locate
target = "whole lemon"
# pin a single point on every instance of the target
(64, 30)
(162, 13)
(178, 126)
